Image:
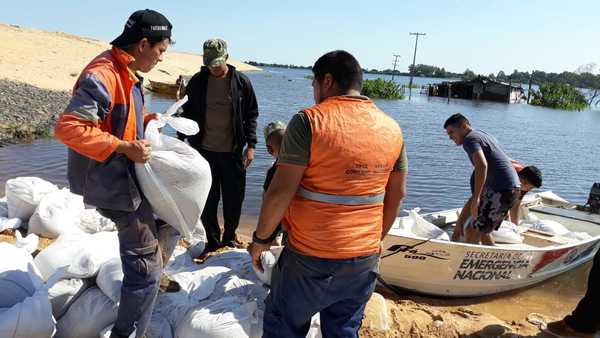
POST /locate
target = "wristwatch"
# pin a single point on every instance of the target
(257, 240)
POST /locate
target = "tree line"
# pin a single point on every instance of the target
(583, 77)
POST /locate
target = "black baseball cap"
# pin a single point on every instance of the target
(144, 24)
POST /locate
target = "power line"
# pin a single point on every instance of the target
(412, 70)
(396, 56)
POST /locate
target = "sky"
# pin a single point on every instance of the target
(485, 36)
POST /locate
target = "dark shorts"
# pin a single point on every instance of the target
(493, 208)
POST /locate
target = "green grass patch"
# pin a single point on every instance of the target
(382, 89)
(559, 96)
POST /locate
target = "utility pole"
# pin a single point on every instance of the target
(396, 56)
(412, 70)
(529, 90)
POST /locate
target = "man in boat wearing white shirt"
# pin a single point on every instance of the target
(530, 178)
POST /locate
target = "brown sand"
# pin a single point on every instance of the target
(53, 60)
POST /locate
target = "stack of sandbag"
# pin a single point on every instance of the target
(25, 309)
(80, 254)
(23, 194)
(176, 180)
(62, 212)
(222, 297)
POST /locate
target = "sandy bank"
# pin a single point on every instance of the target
(53, 60)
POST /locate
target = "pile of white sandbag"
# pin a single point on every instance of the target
(222, 297)
(46, 210)
(25, 309)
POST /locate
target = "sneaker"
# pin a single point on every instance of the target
(560, 329)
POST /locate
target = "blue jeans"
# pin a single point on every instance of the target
(142, 264)
(303, 286)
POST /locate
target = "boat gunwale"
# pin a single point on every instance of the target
(501, 248)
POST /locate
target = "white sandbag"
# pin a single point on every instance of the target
(87, 316)
(23, 194)
(269, 260)
(200, 284)
(19, 277)
(91, 222)
(10, 223)
(197, 241)
(110, 279)
(507, 233)
(234, 259)
(234, 285)
(29, 243)
(315, 327)
(425, 229)
(547, 226)
(25, 310)
(159, 327)
(176, 180)
(31, 318)
(553, 198)
(107, 331)
(82, 254)
(180, 261)
(196, 285)
(57, 213)
(64, 293)
(225, 318)
(3, 207)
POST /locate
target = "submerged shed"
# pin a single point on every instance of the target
(480, 88)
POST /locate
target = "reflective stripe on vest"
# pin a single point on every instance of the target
(339, 199)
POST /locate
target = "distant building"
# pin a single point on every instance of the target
(480, 88)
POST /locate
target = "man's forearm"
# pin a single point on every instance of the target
(480, 177)
(390, 212)
(464, 213)
(394, 194)
(272, 211)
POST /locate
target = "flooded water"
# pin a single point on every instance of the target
(564, 145)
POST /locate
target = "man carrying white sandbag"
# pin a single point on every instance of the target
(103, 126)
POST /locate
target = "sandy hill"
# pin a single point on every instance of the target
(53, 60)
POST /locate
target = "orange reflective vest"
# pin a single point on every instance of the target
(338, 210)
(102, 111)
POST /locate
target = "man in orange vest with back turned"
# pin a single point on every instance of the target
(337, 189)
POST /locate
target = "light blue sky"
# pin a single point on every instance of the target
(485, 35)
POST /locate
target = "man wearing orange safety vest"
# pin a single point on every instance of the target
(103, 126)
(337, 189)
